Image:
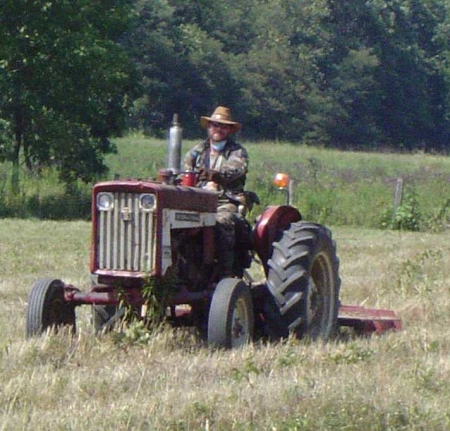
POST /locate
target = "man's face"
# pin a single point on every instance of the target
(218, 131)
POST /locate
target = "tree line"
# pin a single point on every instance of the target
(356, 74)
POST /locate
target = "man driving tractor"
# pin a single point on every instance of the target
(222, 164)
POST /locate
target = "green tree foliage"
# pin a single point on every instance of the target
(280, 73)
(385, 76)
(184, 68)
(64, 80)
(348, 70)
(410, 79)
(347, 73)
(343, 73)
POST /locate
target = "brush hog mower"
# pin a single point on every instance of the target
(153, 256)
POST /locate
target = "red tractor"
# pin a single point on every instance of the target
(155, 239)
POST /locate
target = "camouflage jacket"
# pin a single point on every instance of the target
(231, 163)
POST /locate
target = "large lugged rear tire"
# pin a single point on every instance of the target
(303, 280)
(47, 308)
(230, 321)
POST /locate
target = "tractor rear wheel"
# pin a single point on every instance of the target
(47, 307)
(230, 322)
(303, 281)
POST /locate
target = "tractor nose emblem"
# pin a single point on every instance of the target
(126, 214)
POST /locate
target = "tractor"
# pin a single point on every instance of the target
(153, 241)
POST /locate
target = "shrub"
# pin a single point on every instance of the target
(406, 217)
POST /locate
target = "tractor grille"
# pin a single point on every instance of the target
(126, 236)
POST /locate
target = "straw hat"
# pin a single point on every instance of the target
(221, 115)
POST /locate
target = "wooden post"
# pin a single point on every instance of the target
(398, 196)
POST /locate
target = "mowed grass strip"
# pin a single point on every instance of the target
(170, 380)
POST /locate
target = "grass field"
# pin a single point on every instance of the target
(170, 381)
(331, 187)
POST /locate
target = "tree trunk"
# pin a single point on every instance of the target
(18, 133)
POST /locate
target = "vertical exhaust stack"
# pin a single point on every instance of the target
(174, 146)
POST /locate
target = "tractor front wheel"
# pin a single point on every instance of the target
(47, 307)
(230, 322)
(303, 283)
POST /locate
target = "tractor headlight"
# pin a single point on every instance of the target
(105, 201)
(147, 202)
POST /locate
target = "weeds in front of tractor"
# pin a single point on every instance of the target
(139, 326)
(156, 294)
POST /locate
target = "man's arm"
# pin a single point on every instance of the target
(190, 159)
(236, 166)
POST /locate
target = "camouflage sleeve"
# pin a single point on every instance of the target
(189, 162)
(236, 166)
(190, 159)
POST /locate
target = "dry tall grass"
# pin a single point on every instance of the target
(169, 380)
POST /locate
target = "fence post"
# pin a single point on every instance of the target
(398, 196)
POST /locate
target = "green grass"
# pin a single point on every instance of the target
(171, 381)
(331, 187)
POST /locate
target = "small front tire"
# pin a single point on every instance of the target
(47, 308)
(230, 322)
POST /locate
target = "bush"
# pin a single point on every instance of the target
(73, 204)
(406, 217)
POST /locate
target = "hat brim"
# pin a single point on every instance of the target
(204, 121)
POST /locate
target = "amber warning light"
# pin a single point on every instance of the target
(282, 180)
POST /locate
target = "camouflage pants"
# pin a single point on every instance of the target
(227, 217)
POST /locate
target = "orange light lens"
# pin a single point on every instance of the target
(281, 180)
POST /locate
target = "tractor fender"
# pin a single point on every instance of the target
(273, 221)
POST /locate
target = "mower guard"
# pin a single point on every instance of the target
(368, 320)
